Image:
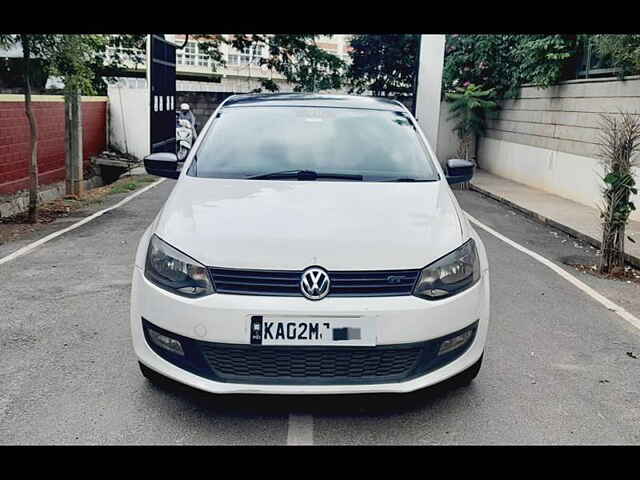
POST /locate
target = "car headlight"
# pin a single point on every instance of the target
(451, 274)
(174, 271)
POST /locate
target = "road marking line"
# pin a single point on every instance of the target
(300, 431)
(27, 248)
(564, 274)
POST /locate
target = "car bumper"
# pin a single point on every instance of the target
(225, 319)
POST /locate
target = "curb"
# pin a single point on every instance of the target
(630, 259)
(18, 202)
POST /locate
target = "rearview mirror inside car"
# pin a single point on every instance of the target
(459, 171)
(162, 164)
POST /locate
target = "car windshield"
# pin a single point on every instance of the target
(331, 143)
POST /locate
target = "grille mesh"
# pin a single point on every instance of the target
(307, 365)
(311, 363)
(287, 283)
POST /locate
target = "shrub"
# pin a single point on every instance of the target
(619, 142)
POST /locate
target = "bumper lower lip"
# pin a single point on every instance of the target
(307, 365)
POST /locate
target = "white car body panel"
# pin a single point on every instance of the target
(290, 225)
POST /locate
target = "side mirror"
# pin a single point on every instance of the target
(162, 164)
(459, 171)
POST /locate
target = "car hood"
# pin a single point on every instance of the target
(291, 225)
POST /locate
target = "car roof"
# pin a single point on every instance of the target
(313, 100)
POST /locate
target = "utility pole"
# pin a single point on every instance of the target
(73, 148)
(429, 86)
(416, 70)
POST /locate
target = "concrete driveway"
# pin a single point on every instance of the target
(556, 370)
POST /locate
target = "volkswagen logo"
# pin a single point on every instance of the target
(315, 283)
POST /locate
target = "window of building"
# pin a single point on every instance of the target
(590, 64)
(187, 56)
(249, 55)
(203, 59)
(190, 53)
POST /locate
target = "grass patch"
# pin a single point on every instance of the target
(129, 184)
(16, 226)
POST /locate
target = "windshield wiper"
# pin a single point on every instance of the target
(409, 180)
(304, 175)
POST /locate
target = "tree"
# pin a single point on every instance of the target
(72, 57)
(39, 46)
(12, 74)
(506, 62)
(470, 106)
(622, 50)
(298, 58)
(105, 57)
(209, 44)
(383, 64)
(619, 142)
(542, 60)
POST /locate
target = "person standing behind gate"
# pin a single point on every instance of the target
(185, 113)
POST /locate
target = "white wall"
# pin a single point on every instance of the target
(448, 141)
(575, 177)
(129, 120)
(548, 138)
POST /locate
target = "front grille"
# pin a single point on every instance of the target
(256, 282)
(310, 364)
(287, 282)
(307, 365)
(355, 284)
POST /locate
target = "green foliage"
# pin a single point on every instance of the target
(619, 144)
(620, 182)
(209, 44)
(81, 60)
(297, 57)
(383, 64)
(268, 84)
(12, 73)
(6, 40)
(470, 106)
(506, 62)
(622, 50)
(541, 58)
(124, 48)
(70, 59)
(73, 57)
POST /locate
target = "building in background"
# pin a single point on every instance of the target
(241, 74)
(197, 83)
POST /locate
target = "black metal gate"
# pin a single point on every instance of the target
(162, 89)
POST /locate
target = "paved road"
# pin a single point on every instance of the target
(556, 369)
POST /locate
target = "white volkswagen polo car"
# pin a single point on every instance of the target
(311, 245)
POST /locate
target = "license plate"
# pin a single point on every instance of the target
(335, 331)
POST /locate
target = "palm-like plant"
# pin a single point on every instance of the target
(470, 107)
